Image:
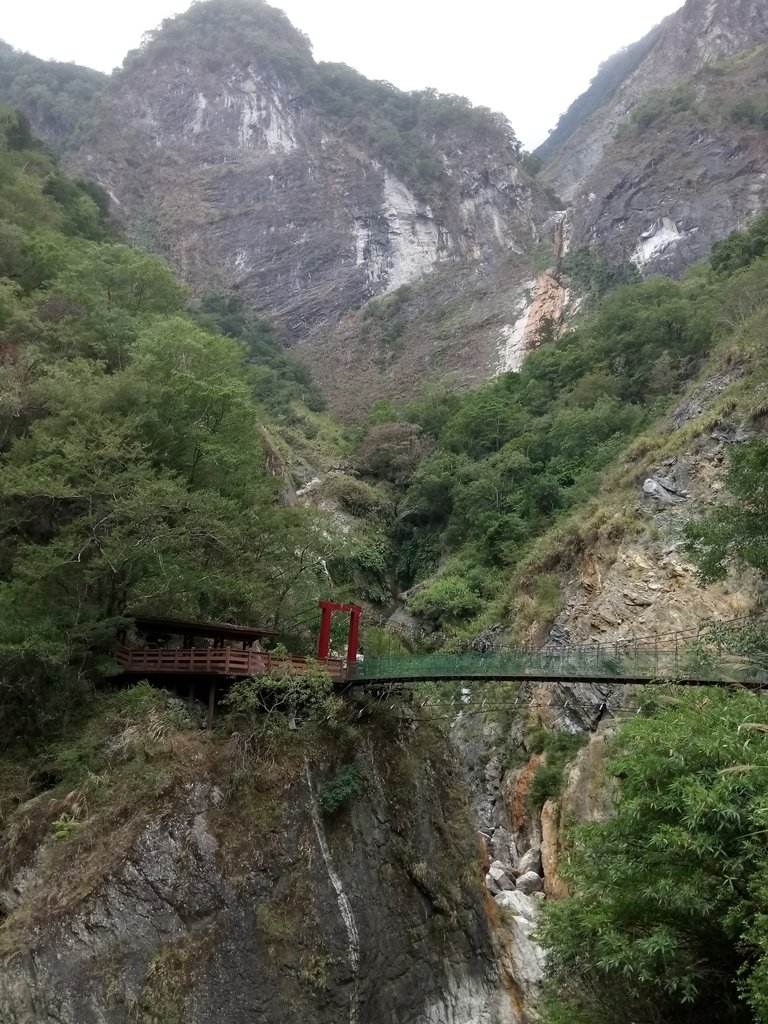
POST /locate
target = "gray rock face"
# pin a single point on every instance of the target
(497, 879)
(660, 194)
(637, 205)
(176, 930)
(703, 31)
(526, 959)
(661, 490)
(519, 903)
(238, 169)
(530, 861)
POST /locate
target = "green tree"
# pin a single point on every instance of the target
(665, 918)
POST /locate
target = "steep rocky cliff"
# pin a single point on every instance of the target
(181, 884)
(304, 187)
(703, 31)
(668, 164)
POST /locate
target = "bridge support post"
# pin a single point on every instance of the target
(353, 641)
(324, 641)
(354, 635)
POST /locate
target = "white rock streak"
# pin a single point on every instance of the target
(413, 233)
(512, 340)
(467, 1000)
(345, 907)
(654, 241)
(262, 119)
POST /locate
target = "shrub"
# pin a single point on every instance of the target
(355, 496)
(560, 749)
(392, 451)
(445, 600)
(345, 787)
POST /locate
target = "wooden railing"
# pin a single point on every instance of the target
(210, 661)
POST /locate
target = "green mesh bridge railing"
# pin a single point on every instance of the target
(626, 665)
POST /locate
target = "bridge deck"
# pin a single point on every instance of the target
(625, 667)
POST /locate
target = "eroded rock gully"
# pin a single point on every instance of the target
(524, 842)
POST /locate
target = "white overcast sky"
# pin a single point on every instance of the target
(527, 58)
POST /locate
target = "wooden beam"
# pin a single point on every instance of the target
(211, 704)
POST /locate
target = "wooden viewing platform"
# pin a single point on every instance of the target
(216, 664)
(215, 661)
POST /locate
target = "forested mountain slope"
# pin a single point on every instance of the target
(137, 464)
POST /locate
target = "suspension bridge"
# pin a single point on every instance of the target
(689, 657)
(214, 654)
(625, 666)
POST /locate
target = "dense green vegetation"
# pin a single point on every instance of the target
(479, 479)
(61, 98)
(278, 379)
(666, 920)
(739, 527)
(223, 33)
(134, 447)
(396, 126)
(594, 275)
(741, 248)
(512, 455)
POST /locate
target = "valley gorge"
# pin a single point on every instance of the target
(272, 334)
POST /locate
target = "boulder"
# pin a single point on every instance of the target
(498, 878)
(519, 904)
(523, 958)
(501, 846)
(657, 490)
(530, 861)
(530, 882)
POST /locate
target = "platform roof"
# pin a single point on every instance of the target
(191, 627)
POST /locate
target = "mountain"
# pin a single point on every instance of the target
(304, 186)
(701, 32)
(57, 98)
(309, 191)
(662, 163)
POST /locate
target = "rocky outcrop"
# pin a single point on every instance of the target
(701, 32)
(660, 190)
(219, 911)
(662, 197)
(647, 586)
(540, 320)
(511, 833)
